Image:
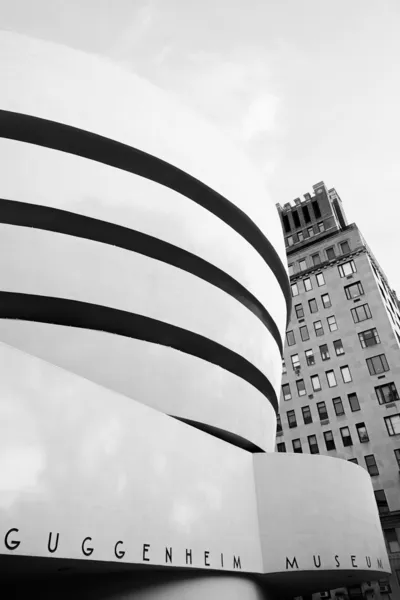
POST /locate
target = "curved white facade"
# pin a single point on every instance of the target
(138, 253)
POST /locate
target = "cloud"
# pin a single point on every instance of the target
(261, 116)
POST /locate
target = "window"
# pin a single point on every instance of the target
(353, 460)
(319, 330)
(369, 338)
(338, 406)
(295, 289)
(392, 539)
(304, 333)
(347, 268)
(313, 444)
(291, 270)
(330, 253)
(329, 441)
(321, 227)
(299, 311)
(287, 394)
(306, 214)
(346, 375)
(330, 376)
(289, 240)
(361, 313)
(284, 369)
(346, 437)
(332, 323)
(383, 506)
(278, 423)
(322, 412)
(337, 344)
(290, 338)
(307, 284)
(393, 424)
(316, 259)
(386, 393)
(302, 264)
(320, 279)
(344, 247)
(300, 235)
(281, 447)
(310, 358)
(313, 305)
(397, 456)
(291, 417)
(296, 219)
(324, 352)
(377, 364)
(355, 290)
(353, 401)
(316, 209)
(326, 301)
(301, 388)
(307, 418)
(295, 361)
(310, 231)
(362, 433)
(286, 223)
(297, 446)
(315, 382)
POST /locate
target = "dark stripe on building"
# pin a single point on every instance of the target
(58, 136)
(71, 313)
(68, 223)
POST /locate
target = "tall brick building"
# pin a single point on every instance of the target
(341, 371)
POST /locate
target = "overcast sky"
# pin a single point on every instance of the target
(309, 88)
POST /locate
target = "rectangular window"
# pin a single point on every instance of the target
(299, 311)
(324, 352)
(353, 401)
(278, 423)
(353, 460)
(295, 361)
(344, 247)
(316, 259)
(369, 338)
(371, 465)
(302, 264)
(296, 219)
(291, 270)
(337, 344)
(320, 279)
(306, 214)
(316, 209)
(338, 406)
(300, 235)
(313, 305)
(286, 223)
(315, 382)
(289, 240)
(321, 227)
(330, 253)
(383, 506)
(313, 444)
(355, 290)
(386, 393)
(332, 323)
(326, 301)
(304, 333)
(290, 338)
(319, 330)
(397, 456)
(322, 412)
(281, 447)
(331, 378)
(377, 364)
(297, 446)
(310, 231)
(391, 537)
(284, 370)
(362, 433)
(346, 437)
(307, 418)
(310, 358)
(361, 313)
(301, 388)
(307, 284)
(287, 394)
(347, 268)
(393, 424)
(346, 374)
(295, 289)
(291, 417)
(329, 441)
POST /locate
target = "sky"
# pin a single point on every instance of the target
(309, 89)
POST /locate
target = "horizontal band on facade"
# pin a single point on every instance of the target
(61, 221)
(73, 313)
(65, 138)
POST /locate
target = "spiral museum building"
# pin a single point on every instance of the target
(143, 303)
